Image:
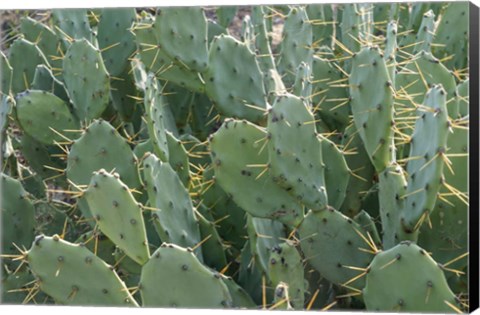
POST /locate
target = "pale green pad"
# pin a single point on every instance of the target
(118, 214)
(173, 212)
(73, 275)
(295, 151)
(185, 43)
(174, 277)
(86, 79)
(329, 231)
(24, 57)
(100, 146)
(18, 215)
(286, 265)
(372, 105)
(261, 197)
(419, 284)
(234, 81)
(425, 165)
(39, 112)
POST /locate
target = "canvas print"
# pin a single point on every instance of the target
(278, 157)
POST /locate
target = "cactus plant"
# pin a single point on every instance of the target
(263, 157)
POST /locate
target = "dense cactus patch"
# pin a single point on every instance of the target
(312, 157)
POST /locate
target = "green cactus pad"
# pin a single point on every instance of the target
(448, 237)
(248, 33)
(71, 24)
(425, 165)
(158, 62)
(86, 79)
(52, 219)
(337, 173)
(118, 215)
(181, 101)
(225, 15)
(362, 171)
(32, 182)
(233, 218)
(415, 14)
(391, 186)
(12, 285)
(18, 215)
(45, 38)
(155, 111)
(367, 223)
(73, 275)
(329, 97)
(127, 265)
(100, 146)
(323, 26)
(281, 298)
(212, 247)
(99, 244)
(296, 46)
(115, 39)
(185, 43)
(328, 231)
(262, 27)
(5, 75)
(142, 148)
(178, 158)
(381, 12)
(463, 90)
(293, 145)
(274, 85)
(264, 235)
(233, 80)
(249, 276)
(259, 196)
(24, 57)
(426, 33)
(174, 213)
(285, 265)
(390, 50)
(350, 27)
(125, 95)
(214, 29)
(6, 105)
(420, 284)
(240, 298)
(415, 78)
(197, 152)
(302, 86)
(372, 105)
(174, 277)
(39, 112)
(39, 155)
(45, 80)
(452, 34)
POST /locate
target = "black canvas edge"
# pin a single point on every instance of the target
(474, 222)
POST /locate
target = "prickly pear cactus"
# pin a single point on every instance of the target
(282, 157)
(73, 275)
(253, 191)
(405, 264)
(86, 79)
(233, 69)
(118, 215)
(44, 116)
(184, 274)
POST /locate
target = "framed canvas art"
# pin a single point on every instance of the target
(307, 157)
